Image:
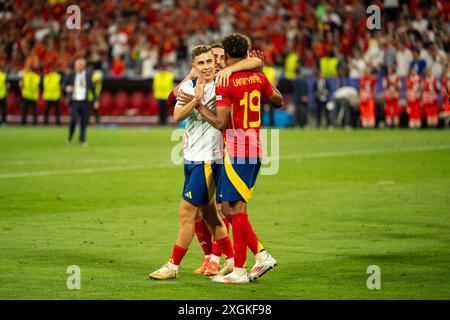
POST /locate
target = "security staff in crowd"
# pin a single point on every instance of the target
(3, 95)
(162, 86)
(29, 85)
(97, 77)
(52, 93)
(77, 86)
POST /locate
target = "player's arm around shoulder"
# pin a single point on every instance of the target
(272, 93)
(182, 111)
(247, 64)
(218, 119)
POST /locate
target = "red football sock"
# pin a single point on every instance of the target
(177, 254)
(225, 246)
(204, 236)
(252, 240)
(216, 249)
(240, 234)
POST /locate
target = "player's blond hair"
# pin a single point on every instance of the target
(198, 50)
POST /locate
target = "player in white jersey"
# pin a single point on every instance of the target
(203, 156)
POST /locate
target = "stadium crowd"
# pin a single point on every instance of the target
(299, 38)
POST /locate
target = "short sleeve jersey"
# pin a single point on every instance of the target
(243, 96)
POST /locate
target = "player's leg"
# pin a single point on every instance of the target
(221, 240)
(187, 214)
(211, 213)
(237, 182)
(205, 239)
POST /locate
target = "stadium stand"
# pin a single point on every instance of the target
(129, 40)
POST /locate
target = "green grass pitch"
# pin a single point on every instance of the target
(341, 201)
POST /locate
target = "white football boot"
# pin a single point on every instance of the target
(237, 276)
(264, 262)
(166, 272)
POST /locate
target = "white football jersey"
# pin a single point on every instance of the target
(202, 142)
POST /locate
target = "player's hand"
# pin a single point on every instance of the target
(184, 97)
(69, 89)
(199, 90)
(256, 54)
(96, 105)
(223, 77)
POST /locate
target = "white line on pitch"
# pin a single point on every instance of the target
(362, 152)
(168, 165)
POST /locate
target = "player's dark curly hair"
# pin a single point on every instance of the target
(236, 45)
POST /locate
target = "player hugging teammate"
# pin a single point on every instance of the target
(210, 173)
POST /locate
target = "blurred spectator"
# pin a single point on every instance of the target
(118, 67)
(439, 61)
(149, 56)
(446, 96)
(424, 54)
(403, 59)
(374, 56)
(418, 63)
(52, 93)
(329, 64)
(270, 72)
(392, 87)
(356, 65)
(431, 88)
(367, 87)
(97, 79)
(162, 86)
(290, 65)
(413, 94)
(346, 101)
(301, 100)
(322, 91)
(420, 24)
(389, 53)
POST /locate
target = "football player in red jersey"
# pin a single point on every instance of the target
(392, 86)
(413, 93)
(238, 110)
(367, 87)
(446, 95)
(430, 105)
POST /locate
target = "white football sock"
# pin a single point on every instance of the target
(214, 258)
(240, 271)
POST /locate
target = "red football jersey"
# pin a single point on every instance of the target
(367, 86)
(392, 87)
(413, 85)
(430, 90)
(243, 95)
